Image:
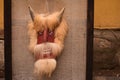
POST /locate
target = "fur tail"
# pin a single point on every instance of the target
(44, 66)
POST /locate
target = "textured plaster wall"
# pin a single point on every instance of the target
(72, 63)
(107, 14)
(1, 14)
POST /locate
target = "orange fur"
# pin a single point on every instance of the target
(51, 22)
(44, 66)
(41, 22)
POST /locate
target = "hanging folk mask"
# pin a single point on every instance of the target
(47, 33)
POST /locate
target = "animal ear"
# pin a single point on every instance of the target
(32, 14)
(60, 14)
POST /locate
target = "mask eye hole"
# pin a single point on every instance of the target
(40, 33)
(51, 32)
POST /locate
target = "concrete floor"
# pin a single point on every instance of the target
(2, 78)
(106, 78)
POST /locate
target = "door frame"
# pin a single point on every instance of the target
(90, 35)
(8, 39)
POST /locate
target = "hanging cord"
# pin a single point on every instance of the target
(28, 2)
(47, 6)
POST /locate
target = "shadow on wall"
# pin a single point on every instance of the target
(1, 53)
(106, 52)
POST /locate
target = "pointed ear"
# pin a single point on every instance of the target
(60, 14)
(32, 14)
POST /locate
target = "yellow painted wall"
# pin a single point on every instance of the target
(107, 14)
(1, 14)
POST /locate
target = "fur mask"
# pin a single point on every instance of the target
(47, 33)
